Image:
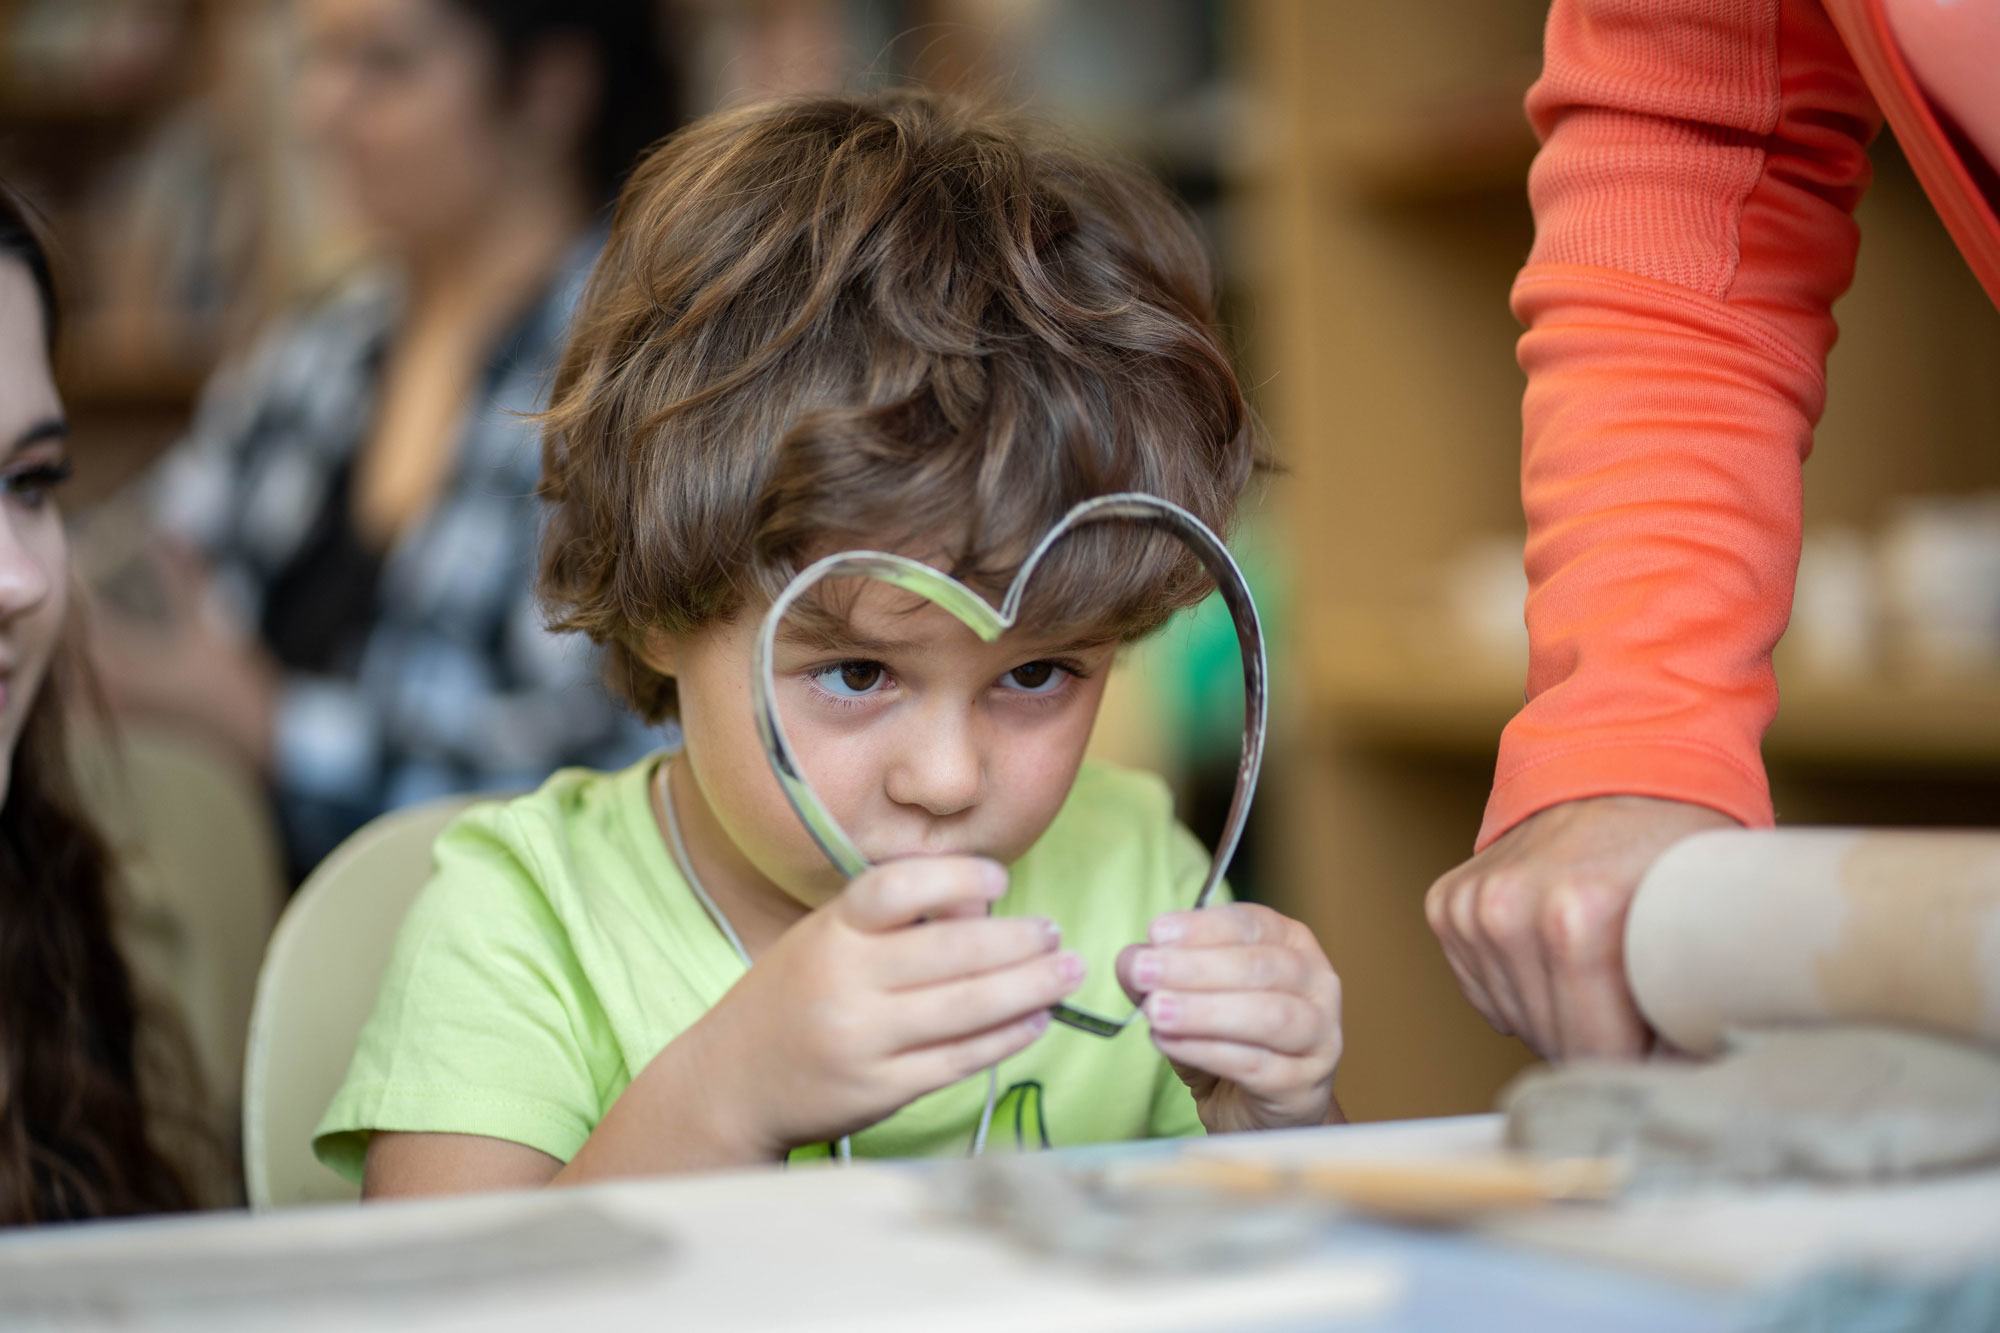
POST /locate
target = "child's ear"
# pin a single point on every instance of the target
(660, 651)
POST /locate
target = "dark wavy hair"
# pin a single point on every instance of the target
(903, 319)
(74, 1139)
(640, 97)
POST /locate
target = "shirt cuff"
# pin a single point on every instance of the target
(1669, 770)
(358, 1112)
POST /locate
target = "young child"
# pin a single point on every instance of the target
(894, 322)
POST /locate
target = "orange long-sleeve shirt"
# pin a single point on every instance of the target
(1701, 161)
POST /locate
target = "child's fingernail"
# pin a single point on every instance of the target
(1069, 967)
(1166, 930)
(1162, 1010)
(1145, 969)
(1038, 1022)
(1051, 931)
(993, 878)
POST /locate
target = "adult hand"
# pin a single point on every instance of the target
(1534, 926)
(898, 987)
(197, 670)
(1244, 1004)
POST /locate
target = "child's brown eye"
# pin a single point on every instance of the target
(1034, 675)
(1035, 678)
(851, 679)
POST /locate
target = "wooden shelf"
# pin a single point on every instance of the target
(1457, 701)
(61, 107)
(168, 388)
(1890, 722)
(1478, 144)
(153, 367)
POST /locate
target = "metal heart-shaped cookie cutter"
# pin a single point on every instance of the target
(989, 623)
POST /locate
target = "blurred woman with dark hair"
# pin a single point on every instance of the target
(349, 602)
(74, 1137)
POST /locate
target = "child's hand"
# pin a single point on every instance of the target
(1246, 1006)
(898, 987)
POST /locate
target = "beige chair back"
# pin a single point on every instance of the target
(202, 881)
(317, 988)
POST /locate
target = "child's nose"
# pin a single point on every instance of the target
(939, 767)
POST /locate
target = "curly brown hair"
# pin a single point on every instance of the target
(897, 320)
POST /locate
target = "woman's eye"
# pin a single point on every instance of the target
(1034, 678)
(850, 680)
(33, 486)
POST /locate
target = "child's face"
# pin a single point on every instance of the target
(919, 738)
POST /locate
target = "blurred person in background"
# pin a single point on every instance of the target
(76, 1124)
(344, 588)
(1693, 200)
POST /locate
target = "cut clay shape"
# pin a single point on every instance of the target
(1825, 1104)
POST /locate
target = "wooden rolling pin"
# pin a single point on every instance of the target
(1810, 926)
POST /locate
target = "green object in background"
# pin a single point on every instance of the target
(1196, 665)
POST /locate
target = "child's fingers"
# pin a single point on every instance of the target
(1225, 967)
(965, 909)
(951, 1009)
(940, 950)
(1231, 923)
(947, 1062)
(902, 892)
(1245, 1064)
(1122, 969)
(1285, 1024)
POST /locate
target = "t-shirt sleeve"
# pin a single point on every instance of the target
(1174, 1115)
(485, 1023)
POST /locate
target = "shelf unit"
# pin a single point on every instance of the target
(148, 137)
(1457, 702)
(1387, 231)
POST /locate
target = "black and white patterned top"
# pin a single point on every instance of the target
(448, 681)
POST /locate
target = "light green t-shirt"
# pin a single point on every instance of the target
(557, 949)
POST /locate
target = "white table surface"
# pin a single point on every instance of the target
(1719, 1239)
(862, 1248)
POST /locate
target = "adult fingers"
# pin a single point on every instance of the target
(1438, 913)
(902, 892)
(1582, 931)
(1480, 961)
(1506, 915)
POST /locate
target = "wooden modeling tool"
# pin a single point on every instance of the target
(1438, 1191)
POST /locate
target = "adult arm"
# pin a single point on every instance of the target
(1693, 197)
